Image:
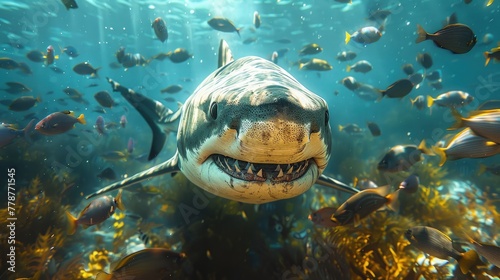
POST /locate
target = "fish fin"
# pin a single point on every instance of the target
(482, 169)
(422, 35)
(38, 99)
(491, 143)
(81, 119)
(119, 202)
(56, 56)
(458, 118)
(468, 260)
(430, 101)
(489, 3)
(301, 65)
(393, 201)
(487, 59)
(413, 101)
(355, 182)
(335, 184)
(423, 148)
(225, 54)
(27, 130)
(238, 31)
(441, 153)
(348, 68)
(347, 37)
(103, 276)
(95, 72)
(341, 128)
(72, 223)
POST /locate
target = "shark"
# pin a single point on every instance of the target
(250, 132)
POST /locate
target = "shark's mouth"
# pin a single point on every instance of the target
(248, 171)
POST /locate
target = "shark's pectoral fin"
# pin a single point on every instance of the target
(168, 166)
(332, 183)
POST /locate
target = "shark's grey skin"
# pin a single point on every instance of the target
(252, 133)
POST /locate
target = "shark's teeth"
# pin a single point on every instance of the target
(261, 171)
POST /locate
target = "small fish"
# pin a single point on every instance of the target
(484, 123)
(85, 68)
(130, 145)
(223, 25)
(495, 170)
(50, 56)
(374, 129)
(123, 121)
(437, 244)
(408, 69)
(8, 133)
(93, 85)
(8, 63)
(160, 27)
(322, 217)
(35, 56)
(364, 184)
(457, 38)
(425, 60)
(316, 64)
(418, 102)
(351, 129)
(350, 83)
(398, 89)
(489, 251)
(99, 125)
(362, 66)
(410, 184)
(58, 122)
(144, 238)
(256, 19)
(104, 99)
(402, 157)
(434, 75)
(450, 99)
(107, 174)
(310, 49)
(365, 35)
(179, 55)
(274, 57)
(17, 87)
(23, 103)
(70, 51)
(364, 203)
(115, 155)
(466, 144)
(346, 56)
(172, 89)
(150, 263)
(70, 4)
(96, 212)
(494, 53)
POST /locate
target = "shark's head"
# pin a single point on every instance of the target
(252, 133)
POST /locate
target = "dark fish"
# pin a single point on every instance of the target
(408, 69)
(494, 53)
(488, 251)
(50, 56)
(439, 245)
(346, 56)
(410, 184)
(93, 85)
(8, 63)
(160, 27)
(365, 35)
(322, 217)
(23, 103)
(416, 79)
(179, 55)
(70, 51)
(312, 48)
(364, 203)
(362, 66)
(58, 122)
(85, 68)
(425, 60)
(434, 75)
(73, 93)
(457, 38)
(351, 129)
(8, 134)
(350, 83)
(120, 54)
(96, 212)
(35, 56)
(150, 263)
(283, 41)
(130, 60)
(398, 89)
(99, 125)
(18, 87)
(57, 69)
(104, 99)
(24, 68)
(172, 89)
(107, 174)
(316, 64)
(256, 19)
(403, 157)
(143, 237)
(418, 102)
(374, 128)
(70, 4)
(223, 25)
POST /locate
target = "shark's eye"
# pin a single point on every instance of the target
(213, 110)
(327, 117)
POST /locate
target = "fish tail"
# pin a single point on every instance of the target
(482, 169)
(301, 65)
(489, 3)
(348, 68)
(413, 101)
(486, 55)
(468, 260)
(95, 72)
(347, 37)
(119, 202)
(27, 130)
(103, 276)
(38, 99)
(81, 119)
(458, 118)
(393, 201)
(441, 153)
(422, 35)
(238, 31)
(72, 223)
(430, 101)
(341, 128)
(423, 148)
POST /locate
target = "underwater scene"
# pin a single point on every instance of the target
(264, 139)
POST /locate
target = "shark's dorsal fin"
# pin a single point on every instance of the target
(225, 54)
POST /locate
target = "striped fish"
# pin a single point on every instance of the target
(485, 123)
